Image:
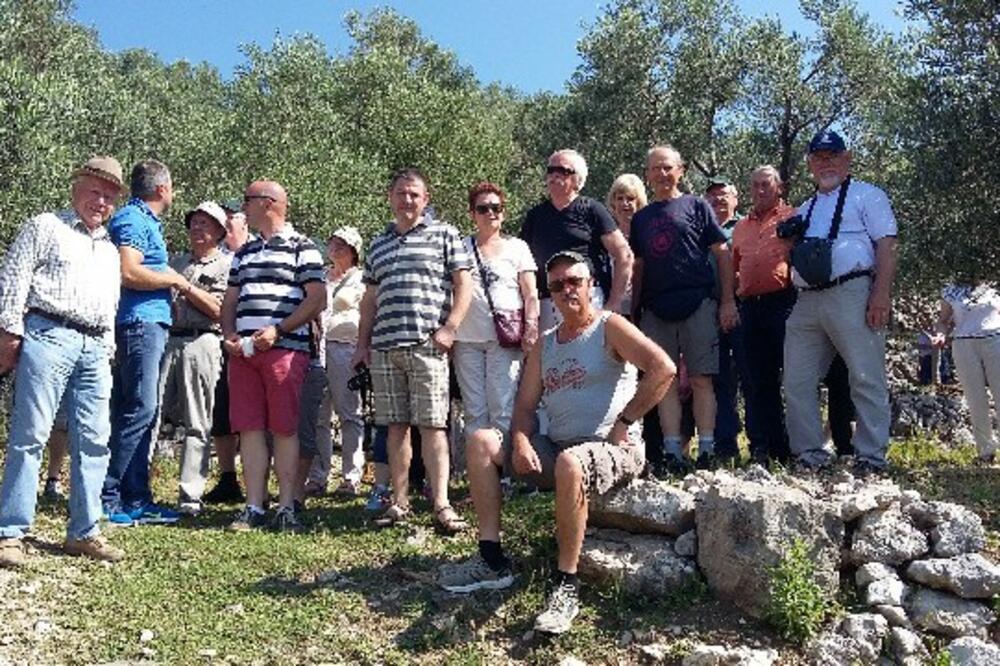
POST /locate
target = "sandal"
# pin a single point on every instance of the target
(394, 515)
(449, 521)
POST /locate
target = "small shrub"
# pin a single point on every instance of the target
(797, 605)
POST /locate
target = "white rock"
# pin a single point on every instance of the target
(570, 660)
(718, 655)
(948, 615)
(642, 564)
(42, 627)
(868, 629)
(644, 507)
(906, 647)
(208, 652)
(970, 576)
(887, 536)
(872, 571)
(656, 652)
(962, 534)
(894, 615)
(889, 591)
(146, 635)
(969, 651)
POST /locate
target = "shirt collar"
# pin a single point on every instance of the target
(73, 221)
(143, 207)
(425, 221)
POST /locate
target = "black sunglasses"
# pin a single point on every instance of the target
(482, 209)
(572, 281)
(561, 170)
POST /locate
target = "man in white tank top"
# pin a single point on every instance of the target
(585, 371)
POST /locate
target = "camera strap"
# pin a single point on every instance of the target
(838, 212)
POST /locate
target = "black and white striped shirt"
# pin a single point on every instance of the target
(271, 276)
(413, 275)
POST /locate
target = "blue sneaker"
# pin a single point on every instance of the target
(154, 514)
(378, 500)
(119, 517)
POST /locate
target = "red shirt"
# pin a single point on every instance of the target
(760, 258)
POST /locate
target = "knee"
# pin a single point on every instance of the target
(568, 470)
(702, 383)
(482, 445)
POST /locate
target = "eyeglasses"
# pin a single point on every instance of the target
(561, 170)
(482, 209)
(572, 281)
(247, 198)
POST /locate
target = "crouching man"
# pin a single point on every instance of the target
(585, 371)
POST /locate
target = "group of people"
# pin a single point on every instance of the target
(561, 342)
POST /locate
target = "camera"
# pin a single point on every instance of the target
(362, 379)
(793, 227)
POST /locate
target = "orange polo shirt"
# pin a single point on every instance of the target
(760, 258)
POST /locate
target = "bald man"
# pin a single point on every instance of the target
(275, 288)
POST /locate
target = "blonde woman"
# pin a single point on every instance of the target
(626, 196)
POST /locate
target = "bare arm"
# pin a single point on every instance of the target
(529, 393)
(204, 301)
(529, 295)
(629, 344)
(636, 288)
(138, 277)
(945, 322)
(461, 296)
(227, 319)
(367, 322)
(728, 317)
(621, 253)
(880, 300)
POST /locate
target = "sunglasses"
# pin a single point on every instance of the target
(482, 209)
(572, 281)
(561, 170)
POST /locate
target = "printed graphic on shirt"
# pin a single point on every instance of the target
(568, 374)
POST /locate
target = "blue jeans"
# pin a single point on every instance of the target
(134, 404)
(57, 364)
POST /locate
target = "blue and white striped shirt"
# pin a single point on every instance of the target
(271, 276)
(413, 276)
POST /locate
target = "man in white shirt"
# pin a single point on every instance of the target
(843, 312)
(57, 316)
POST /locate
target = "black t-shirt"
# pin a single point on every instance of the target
(673, 239)
(578, 227)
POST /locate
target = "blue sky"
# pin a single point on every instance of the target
(529, 44)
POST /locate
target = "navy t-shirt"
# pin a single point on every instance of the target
(673, 239)
(578, 227)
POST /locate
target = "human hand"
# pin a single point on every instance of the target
(729, 317)
(265, 338)
(362, 356)
(524, 458)
(530, 336)
(10, 349)
(879, 306)
(232, 346)
(618, 435)
(444, 338)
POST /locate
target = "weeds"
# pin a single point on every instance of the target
(797, 605)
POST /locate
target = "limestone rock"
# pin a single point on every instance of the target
(927, 515)
(645, 507)
(948, 615)
(906, 647)
(894, 615)
(970, 576)
(872, 571)
(868, 629)
(718, 655)
(867, 497)
(888, 591)
(969, 651)
(744, 530)
(644, 564)
(687, 544)
(833, 649)
(888, 537)
(962, 534)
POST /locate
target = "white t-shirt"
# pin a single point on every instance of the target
(975, 310)
(867, 217)
(503, 272)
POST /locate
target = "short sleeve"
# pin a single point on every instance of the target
(309, 265)
(877, 215)
(234, 272)
(125, 231)
(601, 219)
(456, 257)
(711, 232)
(525, 260)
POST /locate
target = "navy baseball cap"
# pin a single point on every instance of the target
(827, 140)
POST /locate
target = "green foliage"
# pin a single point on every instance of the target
(797, 604)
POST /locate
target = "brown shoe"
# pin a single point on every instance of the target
(96, 548)
(11, 553)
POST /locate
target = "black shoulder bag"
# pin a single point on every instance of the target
(509, 324)
(813, 257)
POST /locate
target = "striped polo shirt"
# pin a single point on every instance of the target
(271, 276)
(412, 273)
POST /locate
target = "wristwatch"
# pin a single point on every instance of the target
(278, 332)
(627, 421)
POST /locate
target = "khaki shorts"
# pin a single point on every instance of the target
(410, 385)
(605, 465)
(695, 338)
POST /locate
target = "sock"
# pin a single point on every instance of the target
(706, 444)
(567, 578)
(228, 476)
(672, 447)
(255, 508)
(492, 554)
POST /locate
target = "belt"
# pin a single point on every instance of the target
(771, 295)
(837, 281)
(92, 331)
(191, 332)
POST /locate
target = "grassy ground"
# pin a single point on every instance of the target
(345, 593)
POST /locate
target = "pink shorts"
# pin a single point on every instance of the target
(264, 391)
